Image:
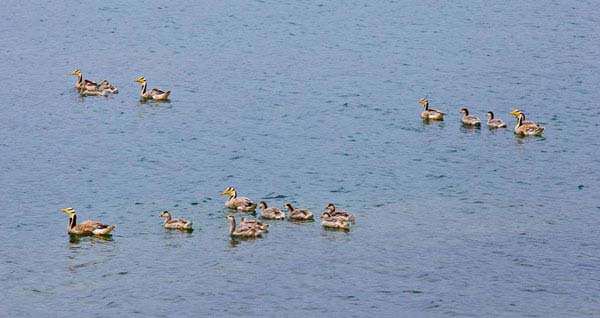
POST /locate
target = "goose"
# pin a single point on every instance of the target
(238, 203)
(430, 114)
(470, 120)
(494, 122)
(332, 212)
(270, 213)
(107, 87)
(298, 214)
(241, 231)
(155, 94)
(529, 129)
(179, 223)
(85, 227)
(254, 224)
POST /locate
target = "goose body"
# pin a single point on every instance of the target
(470, 120)
(85, 227)
(108, 88)
(235, 231)
(495, 122)
(254, 224)
(299, 214)
(332, 212)
(155, 94)
(238, 203)
(335, 223)
(92, 92)
(430, 114)
(526, 129)
(270, 213)
(179, 223)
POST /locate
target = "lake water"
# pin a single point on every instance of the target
(307, 102)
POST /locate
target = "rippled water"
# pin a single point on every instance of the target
(309, 103)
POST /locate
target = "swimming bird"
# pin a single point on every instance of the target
(494, 122)
(85, 227)
(241, 203)
(430, 114)
(467, 119)
(107, 87)
(179, 223)
(270, 213)
(529, 129)
(254, 224)
(81, 83)
(332, 212)
(299, 214)
(155, 94)
(335, 223)
(241, 231)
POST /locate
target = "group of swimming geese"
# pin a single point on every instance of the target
(523, 127)
(90, 88)
(332, 218)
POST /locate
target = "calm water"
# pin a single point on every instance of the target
(309, 103)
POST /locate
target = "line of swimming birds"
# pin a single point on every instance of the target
(332, 218)
(522, 128)
(90, 88)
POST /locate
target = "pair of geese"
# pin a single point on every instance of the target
(99, 229)
(90, 88)
(523, 127)
(332, 218)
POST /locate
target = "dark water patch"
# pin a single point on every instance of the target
(273, 196)
(412, 291)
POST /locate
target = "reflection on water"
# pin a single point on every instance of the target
(235, 241)
(155, 103)
(76, 239)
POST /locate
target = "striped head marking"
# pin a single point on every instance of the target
(69, 211)
(515, 112)
(228, 191)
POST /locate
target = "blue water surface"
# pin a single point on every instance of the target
(307, 102)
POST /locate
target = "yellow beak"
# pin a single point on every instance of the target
(515, 112)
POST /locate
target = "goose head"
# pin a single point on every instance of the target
(69, 211)
(228, 191)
